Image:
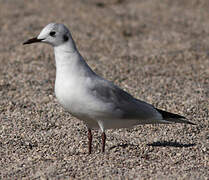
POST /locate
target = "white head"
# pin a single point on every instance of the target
(54, 34)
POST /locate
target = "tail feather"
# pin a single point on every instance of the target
(171, 117)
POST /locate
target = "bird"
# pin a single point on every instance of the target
(91, 98)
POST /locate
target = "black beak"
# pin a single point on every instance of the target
(33, 40)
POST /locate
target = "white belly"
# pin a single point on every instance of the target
(76, 100)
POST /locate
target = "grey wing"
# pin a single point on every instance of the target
(123, 102)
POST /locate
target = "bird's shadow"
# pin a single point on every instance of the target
(170, 144)
(157, 144)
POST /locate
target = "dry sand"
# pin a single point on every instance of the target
(156, 50)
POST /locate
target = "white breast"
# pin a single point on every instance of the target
(69, 93)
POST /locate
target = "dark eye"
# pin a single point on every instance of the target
(52, 33)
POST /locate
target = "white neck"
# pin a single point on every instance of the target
(69, 61)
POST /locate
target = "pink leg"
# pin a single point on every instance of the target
(103, 141)
(90, 140)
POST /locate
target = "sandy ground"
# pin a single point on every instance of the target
(156, 50)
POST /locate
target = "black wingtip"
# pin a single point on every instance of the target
(192, 123)
(188, 122)
(173, 117)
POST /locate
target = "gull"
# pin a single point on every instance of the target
(91, 98)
